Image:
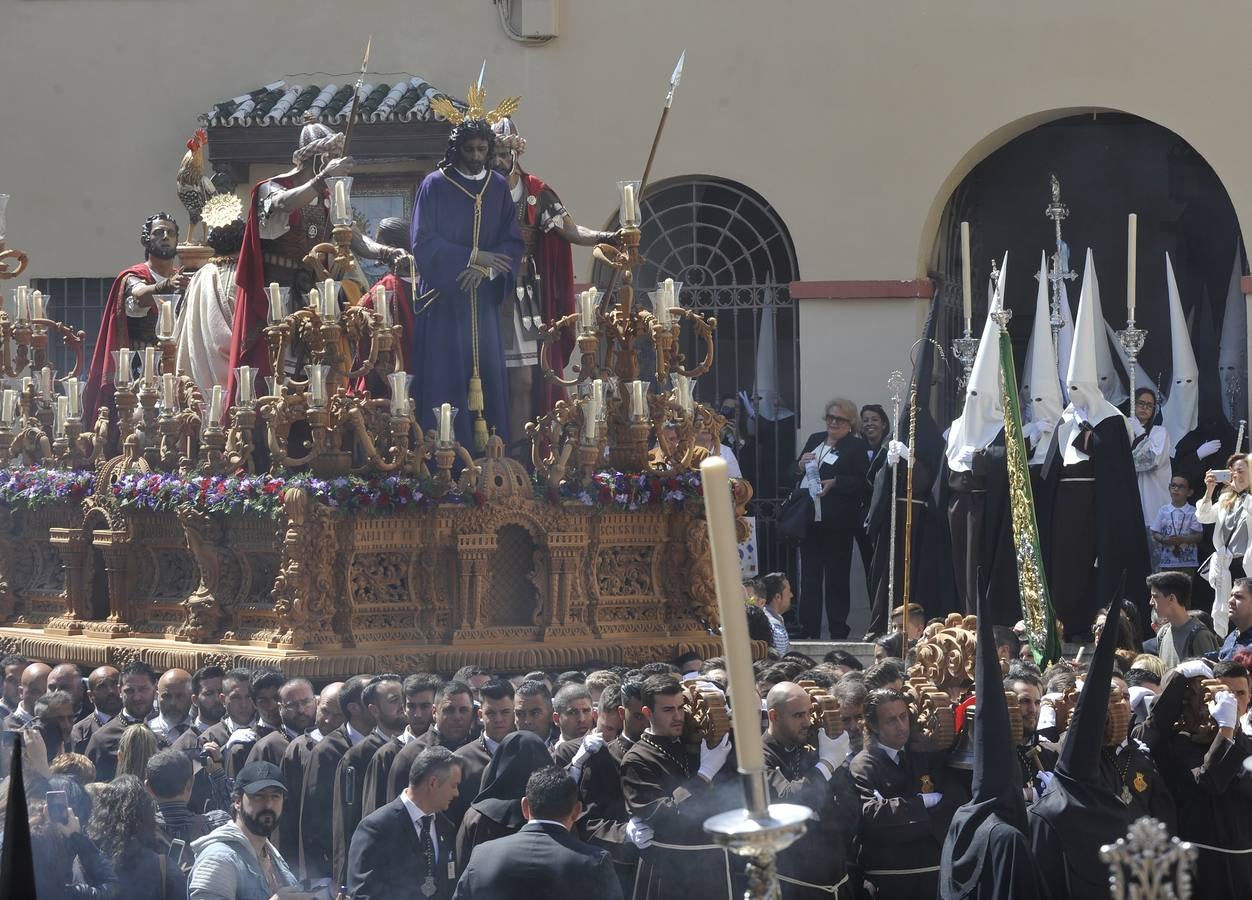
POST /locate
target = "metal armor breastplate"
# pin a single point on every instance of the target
(283, 254)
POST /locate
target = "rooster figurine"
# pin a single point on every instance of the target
(194, 189)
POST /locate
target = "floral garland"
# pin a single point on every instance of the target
(262, 494)
(379, 495)
(631, 491)
(33, 488)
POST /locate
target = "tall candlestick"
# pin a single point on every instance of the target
(398, 381)
(217, 400)
(276, 302)
(1132, 240)
(445, 423)
(638, 400)
(744, 700)
(967, 290)
(169, 395)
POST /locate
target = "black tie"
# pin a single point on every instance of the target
(428, 845)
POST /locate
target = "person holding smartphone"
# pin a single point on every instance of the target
(1229, 516)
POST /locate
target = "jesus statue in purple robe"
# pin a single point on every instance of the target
(467, 246)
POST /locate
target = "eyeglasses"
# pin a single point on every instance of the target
(299, 704)
(1145, 404)
(832, 419)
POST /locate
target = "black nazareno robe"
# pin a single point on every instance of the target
(1091, 525)
(981, 525)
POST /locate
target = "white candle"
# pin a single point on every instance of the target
(123, 361)
(382, 305)
(61, 416)
(36, 303)
(597, 391)
(630, 213)
(23, 305)
(315, 301)
(341, 201)
(399, 395)
(330, 300)
(8, 407)
(165, 319)
(20, 294)
(276, 302)
(591, 416)
(169, 395)
(243, 381)
(217, 399)
(967, 291)
(445, 423)
(638, 400)
(45, 383)
(586, 311)
(744, 701)
(317, 386)
(73, 388)
(149, 366)
(1132, 240)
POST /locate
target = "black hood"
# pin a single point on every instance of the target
(519, 756)
(996, 788)
(1079, 810)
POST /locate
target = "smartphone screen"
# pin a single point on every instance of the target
(58, 807)
(178, 849)
(1221, 476)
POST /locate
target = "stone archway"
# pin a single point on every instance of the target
(1109, 163)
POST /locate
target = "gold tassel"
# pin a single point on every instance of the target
(475, 399)
(480, 432)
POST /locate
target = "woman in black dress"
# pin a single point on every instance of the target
(835, 460)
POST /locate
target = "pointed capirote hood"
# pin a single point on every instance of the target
(1080, 757)
(1042, 379)
(1086, 400)
(1181, 410)
(996, 788)
(1232, 357)
(982, 417)
(1109, 379)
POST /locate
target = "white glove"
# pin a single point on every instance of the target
(931, 800)
(242, 736)
(639, 833)
(592, 744)
(1137, 694)
(833, 751)
(1194, 668)
(1207, 449)
(1038, 429)
(1045, 780)
(713, 758)
(966, 456)
(1047, 712)
(1224, 709)
(898, 450)
(1136, 427)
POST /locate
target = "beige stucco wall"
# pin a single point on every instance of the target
(854, 119)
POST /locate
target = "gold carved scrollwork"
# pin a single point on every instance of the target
(304, 590)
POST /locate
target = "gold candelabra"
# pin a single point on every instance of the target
(612, 416)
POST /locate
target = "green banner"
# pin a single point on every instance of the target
(1031, 579)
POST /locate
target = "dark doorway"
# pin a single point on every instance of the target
(99, 587)
(1109, 165)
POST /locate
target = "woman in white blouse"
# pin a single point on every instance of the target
(1229, 516)
(1150, 448)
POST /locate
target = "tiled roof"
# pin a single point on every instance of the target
(283, 104)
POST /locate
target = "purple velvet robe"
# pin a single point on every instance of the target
(442, 237)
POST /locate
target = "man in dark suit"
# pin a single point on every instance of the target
(406, 848)
(495, 714)
(543, 859)
(455, 726)
(106, 699)
(419, 709)
(298, 709)
(906, 806)
(295, 760)
(317, 802)
(138, 698)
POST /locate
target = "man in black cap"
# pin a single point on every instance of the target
(1079, 812)
(987, 853)
(237, 860)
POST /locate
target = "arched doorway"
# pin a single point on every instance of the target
(734, 256)
(1109, 164)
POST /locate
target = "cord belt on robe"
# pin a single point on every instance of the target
(475, 396)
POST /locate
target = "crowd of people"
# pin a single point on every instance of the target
(249, 784)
